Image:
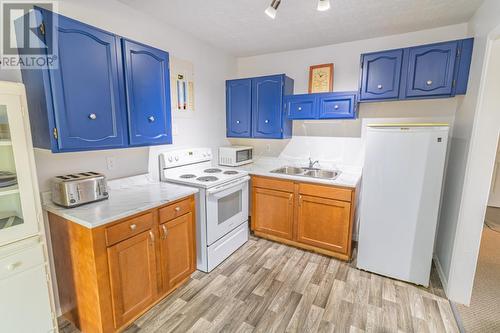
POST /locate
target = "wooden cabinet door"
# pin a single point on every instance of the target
(147, 83)
(336, 106)
(431, 69)
(132, 268)
(381, 75)
(178, 250)
(86, 87)
(324, 223)
(267, 107)
(239, 108)
(273, 212)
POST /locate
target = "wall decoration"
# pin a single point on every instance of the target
(182, 87)
(321, 78)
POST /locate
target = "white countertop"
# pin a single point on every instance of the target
(350, 176)
(127, 196)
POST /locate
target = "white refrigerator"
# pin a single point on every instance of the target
(401, 191)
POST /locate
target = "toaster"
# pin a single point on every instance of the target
(79, 188)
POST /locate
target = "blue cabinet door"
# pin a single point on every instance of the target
(301, 106)
(147, 82)
(87, 88)
(431, 70)
(267, 106)
(381, 75)
(334, 106)
(239, 108)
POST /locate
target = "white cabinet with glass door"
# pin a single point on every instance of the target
(24, 278)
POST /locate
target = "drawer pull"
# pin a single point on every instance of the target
(380, 86)
(336, 107)
(151, 119)
(177, 209)
(237, 121)
(165, 231)
(266, 121)
(152, 237)
(429, 82)
(300, 108)
(133, 227)
(92, 116)
(13, 266)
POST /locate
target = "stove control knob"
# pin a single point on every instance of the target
(170, 159)
(176, 158)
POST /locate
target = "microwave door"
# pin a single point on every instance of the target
(227, 208)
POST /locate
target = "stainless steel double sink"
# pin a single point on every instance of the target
(308, 172)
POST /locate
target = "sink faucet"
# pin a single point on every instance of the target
(312, 163)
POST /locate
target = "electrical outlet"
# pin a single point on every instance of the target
(110, 162)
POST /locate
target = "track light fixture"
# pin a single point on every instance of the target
(323, 5)
(273, 9)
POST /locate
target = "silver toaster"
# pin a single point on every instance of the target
(79, 188)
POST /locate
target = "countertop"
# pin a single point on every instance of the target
(127, 196)
(350, 176)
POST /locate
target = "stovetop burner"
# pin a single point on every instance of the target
(187, 176)
(212, 170)
(207, 179)
(230, 172)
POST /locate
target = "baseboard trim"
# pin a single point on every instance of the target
(458, 319)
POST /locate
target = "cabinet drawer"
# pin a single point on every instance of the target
(272, 183)
(301, 106)
(329, 192)
(175, 210)
(21, 261)
(128, 228)
(336, 107)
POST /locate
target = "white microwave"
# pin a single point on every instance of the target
(235, 155)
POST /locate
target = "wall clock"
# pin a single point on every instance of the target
(321, 78)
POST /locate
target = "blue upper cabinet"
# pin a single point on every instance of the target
(267, 106)
(381, 75)
(85, 103)
(86, 89)
(431, 70)
(337, 106)
(256, 108)
(239, 108)
(334, 105)
(147, 82)
(427, 71)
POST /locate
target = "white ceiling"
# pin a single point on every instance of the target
(241, 27)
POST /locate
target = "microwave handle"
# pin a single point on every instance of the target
(227, 186)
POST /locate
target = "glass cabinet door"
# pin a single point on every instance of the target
(18, 212)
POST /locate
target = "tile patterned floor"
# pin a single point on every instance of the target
(270, 287)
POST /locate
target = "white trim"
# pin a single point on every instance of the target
(441, 274)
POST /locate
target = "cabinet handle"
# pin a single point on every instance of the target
(177, 209)
(165, 231)
(133, 227)
(237, 121)
(92, 116)
(290, 197)
(13, 266)
(151, 119)
(380, 86)
(300, 200)
(429, 82)
(152, 237)
(266, 121)
(336, 107)
(300, 108)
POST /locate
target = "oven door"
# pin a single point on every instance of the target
(227, 208)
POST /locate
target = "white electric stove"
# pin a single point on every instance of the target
(222, 202)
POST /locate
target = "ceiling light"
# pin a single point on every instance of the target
(273, 9)
(323, 5)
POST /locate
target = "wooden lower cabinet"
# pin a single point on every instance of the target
(273, 213)
(132, 270)
(311, 216)
(178, 251)
(110, 275)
